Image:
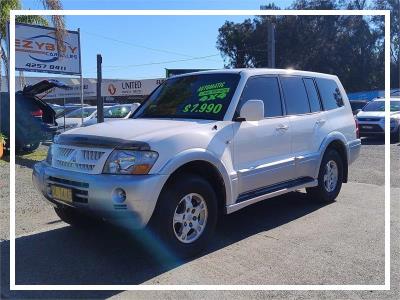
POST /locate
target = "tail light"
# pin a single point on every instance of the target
(37, 113)
(357, 128)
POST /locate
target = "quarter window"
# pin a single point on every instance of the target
(312, 95)
(296, 99)
(330, 93)
(265, 89)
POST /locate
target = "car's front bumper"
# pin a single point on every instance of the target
(93, 193)
(375, 128)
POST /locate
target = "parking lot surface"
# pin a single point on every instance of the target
(285, 240)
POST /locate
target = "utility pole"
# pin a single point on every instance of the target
(270, 41)
(100, 104)
(271, 45)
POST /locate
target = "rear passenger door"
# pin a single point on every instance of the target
(304, 108)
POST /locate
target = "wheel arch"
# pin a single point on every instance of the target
(338, 142)
(206, 165)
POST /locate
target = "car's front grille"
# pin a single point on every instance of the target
(80, 190)
(370, 128)
(369, 119)
(79, 159)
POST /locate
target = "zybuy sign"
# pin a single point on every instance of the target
(36, 50)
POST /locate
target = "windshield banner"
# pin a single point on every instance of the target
(36, 50)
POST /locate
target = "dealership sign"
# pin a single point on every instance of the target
(110, 87)
(36, 50)
(129, 87)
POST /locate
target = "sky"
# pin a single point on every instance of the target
(141, 47)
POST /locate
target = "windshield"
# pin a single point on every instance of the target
(117, 111)
(87, 111)
(205, 96)
(380, 106)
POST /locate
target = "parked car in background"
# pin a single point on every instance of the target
(116, 112)
(202, 145)
(371, 119)
(73, 119)
(357, 105)
(34, 118)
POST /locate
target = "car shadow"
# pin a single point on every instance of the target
(107, 255)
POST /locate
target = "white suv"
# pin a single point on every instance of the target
(371, 119)
(205, 144)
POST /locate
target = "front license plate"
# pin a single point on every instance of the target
(61, 193)
(367, 127)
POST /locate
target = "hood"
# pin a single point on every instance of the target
(376, 114)
(142, 129)
(94, 121)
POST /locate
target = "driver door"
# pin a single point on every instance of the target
(262, 149)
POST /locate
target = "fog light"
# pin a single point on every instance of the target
(118, 195)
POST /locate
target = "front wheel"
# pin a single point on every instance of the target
(330, 178)
(186, 215)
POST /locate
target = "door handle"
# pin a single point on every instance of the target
(320, 122)
(282, 127)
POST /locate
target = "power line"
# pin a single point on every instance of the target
(119, 67)
(137, 45)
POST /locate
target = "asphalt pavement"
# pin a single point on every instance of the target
(284, 240)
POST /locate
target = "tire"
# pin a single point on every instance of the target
(329, 183)
(29, 148)
(73, 217)
(395, 137)
(174, 222)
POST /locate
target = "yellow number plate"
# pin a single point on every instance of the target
(61, 193)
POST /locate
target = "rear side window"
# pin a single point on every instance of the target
(265, 89)
(295, 95)
(312, 95)
(330, 93)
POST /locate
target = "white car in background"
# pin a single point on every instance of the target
(116, 112)
(73, 119)
(371, 119)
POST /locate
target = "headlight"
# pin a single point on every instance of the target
(49, 156)
(130, 162)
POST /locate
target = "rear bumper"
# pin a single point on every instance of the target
(92, 194)
(354, 148)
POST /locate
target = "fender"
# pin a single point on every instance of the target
(332, 136)
(191, 155)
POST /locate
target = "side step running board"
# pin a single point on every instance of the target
(255, 196)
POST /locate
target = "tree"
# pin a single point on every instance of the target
(348, 46)
(7, 6)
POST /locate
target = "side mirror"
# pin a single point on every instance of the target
(252, 110)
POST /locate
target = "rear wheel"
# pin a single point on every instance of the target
(186, 215)
(395, 138)
(330, 178)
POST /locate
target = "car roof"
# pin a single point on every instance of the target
(261, 71)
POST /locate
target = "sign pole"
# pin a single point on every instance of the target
(80, 71)
(100, 104)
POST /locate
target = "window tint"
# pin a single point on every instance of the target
(265, 89)
(295, 95)
(330, 93)
(312, 95)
